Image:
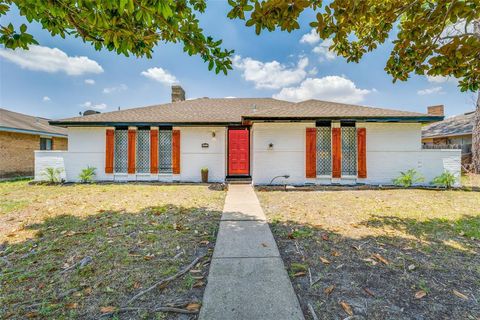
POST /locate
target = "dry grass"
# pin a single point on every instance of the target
(377, 250)
(471, 180)
(134, 235)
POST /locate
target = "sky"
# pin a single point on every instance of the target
(62, 77)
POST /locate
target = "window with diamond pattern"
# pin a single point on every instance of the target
(121, 148)
(349, 150)
(143, 151)
(165, 151)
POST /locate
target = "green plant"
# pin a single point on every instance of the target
(52, 175)
(87, 174)
(408, 178)
(204, 169)
(446, 180)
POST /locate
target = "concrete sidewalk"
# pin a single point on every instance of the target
(247, 277)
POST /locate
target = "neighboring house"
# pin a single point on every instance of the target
(454, 132)
(20, 136)
(311, 142)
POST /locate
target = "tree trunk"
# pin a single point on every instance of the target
(476, 123)
(476, 138)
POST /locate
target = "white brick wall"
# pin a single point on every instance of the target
(391, 148)
(193, 157)
(287, 155)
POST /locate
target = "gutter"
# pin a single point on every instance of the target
(33, 132)
(140, 124)
(422, 119)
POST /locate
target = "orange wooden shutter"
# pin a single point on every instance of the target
(109, 149)
(336, 153)
(153, 151)
(132, 137)
(311, 153)
(176, 151)
(362, 152)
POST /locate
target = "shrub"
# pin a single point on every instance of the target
(53, 174)
(87, 174)
(446, 180)
(204, 169)
(408, 178)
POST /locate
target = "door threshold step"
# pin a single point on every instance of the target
(239, 180)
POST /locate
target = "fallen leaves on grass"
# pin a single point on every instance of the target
(459, 294)
(193, 307)
(107, 309)
(380, 258)
(324, 261)
(420, 294)
(325, 237)
(370, 292)
(73, 305)
(336, 253)
(346, 307)
(300, 274)
(329, 289)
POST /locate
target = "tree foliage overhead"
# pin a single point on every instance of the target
(435, 37)
(431, 37)
(124, 26)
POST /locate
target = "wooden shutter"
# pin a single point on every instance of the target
(176, 151)
(311, 153)
(336, 153)
(131, 150)
(153, 151)
(109, 150)
(362, 152)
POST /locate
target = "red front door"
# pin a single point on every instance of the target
(238, 152)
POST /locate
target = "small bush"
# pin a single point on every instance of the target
(408, 178)
(52, 175)
(446, 180)
(204, 169)
(87, 174)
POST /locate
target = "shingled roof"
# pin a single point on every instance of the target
(454, 126)
(234, 110)
(19, 122)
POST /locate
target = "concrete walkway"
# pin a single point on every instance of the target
(247, 277)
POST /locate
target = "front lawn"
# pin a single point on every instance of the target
(388, 254)
(82, 251)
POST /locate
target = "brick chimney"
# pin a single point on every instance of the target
(436, 110)
(178, 94)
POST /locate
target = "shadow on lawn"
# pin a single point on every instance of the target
(74, 266)
(379, 276)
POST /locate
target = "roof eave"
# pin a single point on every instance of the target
(33, 132)
(139, 124)
(421, 119)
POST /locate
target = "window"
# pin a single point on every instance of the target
(121, 148)
(324, 150)
(349, 150)
(143, 151)
(165, 151)
(46, 144)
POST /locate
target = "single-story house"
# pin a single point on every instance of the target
(453, 132)
(20, 136)
(262, 139)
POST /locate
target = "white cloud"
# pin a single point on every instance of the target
(119, 88)
(89, 81)
(160, 75)
(428, 91)
(39, 58)
(46, 98)
(270, 75)
(330, 88)
(89, 105)
(441, 79)
(313, 71)
(323, 50)
(311, 38)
